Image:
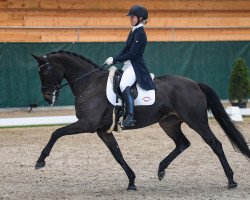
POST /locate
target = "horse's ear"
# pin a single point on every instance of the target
(39, 59)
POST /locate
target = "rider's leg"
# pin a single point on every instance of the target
(128, 79)
(129, 103)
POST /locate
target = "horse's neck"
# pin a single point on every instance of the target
(81, 69)
(76, 68)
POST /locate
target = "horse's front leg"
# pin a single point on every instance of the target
(70, 129)
(111, 143)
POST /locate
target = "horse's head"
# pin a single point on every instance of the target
(51, 75)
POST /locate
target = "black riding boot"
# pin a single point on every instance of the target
(129, 103)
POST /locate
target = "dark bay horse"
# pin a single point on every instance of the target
(178, 100)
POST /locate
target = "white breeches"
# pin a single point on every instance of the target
(128, 77)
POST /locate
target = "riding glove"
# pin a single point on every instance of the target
(109, 61)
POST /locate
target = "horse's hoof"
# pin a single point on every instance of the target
(132, 188)
(232, 185)
(161, 175)
(40, 164)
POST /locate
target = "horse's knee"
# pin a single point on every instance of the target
(56, 135)
(181, 148)
(184, 144)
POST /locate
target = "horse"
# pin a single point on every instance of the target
(177, 100)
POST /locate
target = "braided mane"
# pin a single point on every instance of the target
(76, 55)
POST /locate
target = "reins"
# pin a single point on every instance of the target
(85, 75)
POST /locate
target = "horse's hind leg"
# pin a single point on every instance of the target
(208, 136)
(172, 126)
(110, 141)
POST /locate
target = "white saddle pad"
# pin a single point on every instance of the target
(144, 97)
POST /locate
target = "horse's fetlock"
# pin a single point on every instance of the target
(230, 173)
(132, 177)
(131, 181)
(44, 154)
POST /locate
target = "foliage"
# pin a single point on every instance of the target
(239, 85)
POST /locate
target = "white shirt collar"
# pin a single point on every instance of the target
(135, 27)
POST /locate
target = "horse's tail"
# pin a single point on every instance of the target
(235, 136)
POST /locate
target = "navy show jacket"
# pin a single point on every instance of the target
(133, 51)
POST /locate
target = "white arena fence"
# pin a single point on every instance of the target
(235, 113)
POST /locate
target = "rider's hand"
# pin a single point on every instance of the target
(109, 61)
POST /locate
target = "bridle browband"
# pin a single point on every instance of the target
(57, 86)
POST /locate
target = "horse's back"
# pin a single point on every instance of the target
(174, 78)
(175, 83)
(180, 94)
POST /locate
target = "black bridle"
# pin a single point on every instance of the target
(57, 86)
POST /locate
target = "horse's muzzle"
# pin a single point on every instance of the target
(49, 93)
(47, 97)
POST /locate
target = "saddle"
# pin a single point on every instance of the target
(114, 96)
(116, 85)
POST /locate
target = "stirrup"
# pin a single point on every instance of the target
(128, 121)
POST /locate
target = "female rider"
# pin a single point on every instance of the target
(134, 65)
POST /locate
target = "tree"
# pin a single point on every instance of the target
(239, 85)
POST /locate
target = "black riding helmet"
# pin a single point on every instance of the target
(138, 11)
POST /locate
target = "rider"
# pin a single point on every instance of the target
(134, 65)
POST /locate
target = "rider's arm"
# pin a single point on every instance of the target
(138, 42)
(123, 51)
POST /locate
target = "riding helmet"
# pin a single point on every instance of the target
(138, 11)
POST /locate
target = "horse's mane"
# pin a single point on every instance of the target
(76, 55)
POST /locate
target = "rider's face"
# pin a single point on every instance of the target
(133, 20)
